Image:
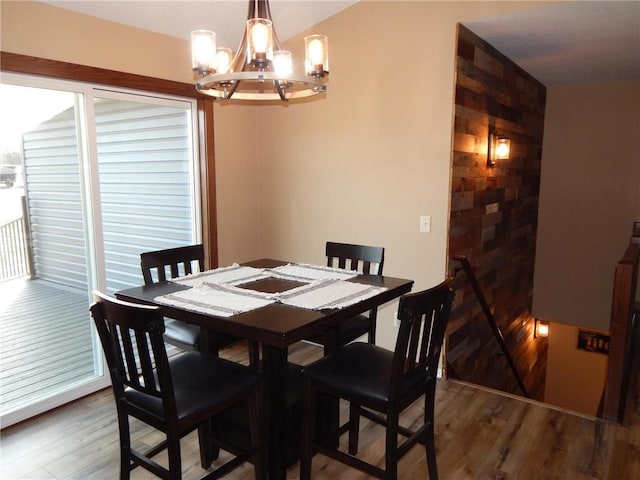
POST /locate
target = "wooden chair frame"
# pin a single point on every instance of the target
(412, 373)
(173, 258)
(162, 265)
(369, 261)
(143, 387)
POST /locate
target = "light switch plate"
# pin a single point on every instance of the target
(425, 224)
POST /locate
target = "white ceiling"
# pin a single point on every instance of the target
(178, 18)
(575, 42)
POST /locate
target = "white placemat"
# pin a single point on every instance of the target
(231, 275)
(328, 294)
(304, 272)
(216, 299)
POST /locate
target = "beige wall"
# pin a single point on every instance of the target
(575, 378)
(237, 184)
(589, 198)
(360, 165)
(40, 30)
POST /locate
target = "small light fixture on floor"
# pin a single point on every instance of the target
(540, 328)
(499, 148)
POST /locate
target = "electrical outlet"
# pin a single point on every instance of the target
(396, 320)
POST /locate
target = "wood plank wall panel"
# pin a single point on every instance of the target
(494, 213)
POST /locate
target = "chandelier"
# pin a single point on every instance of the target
(259, 70)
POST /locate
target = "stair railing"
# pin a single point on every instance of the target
(623, 330)
(468, 270)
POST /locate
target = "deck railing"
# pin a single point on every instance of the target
(13, 250)
(15, 260)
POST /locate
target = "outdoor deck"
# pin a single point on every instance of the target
(45, 340)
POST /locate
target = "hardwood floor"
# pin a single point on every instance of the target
(480, 434)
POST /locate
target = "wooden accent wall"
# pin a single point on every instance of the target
(494, 215)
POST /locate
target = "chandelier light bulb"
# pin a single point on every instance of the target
(260, 36)
(316, 55)
(223, 59)
(282, 63)
(260, 41)
(315, 52)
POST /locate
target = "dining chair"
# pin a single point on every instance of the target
(380, 384)
(162, 265)
(173, 396)
(364, 259)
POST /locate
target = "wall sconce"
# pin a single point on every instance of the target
(540, 328)
(499, 148)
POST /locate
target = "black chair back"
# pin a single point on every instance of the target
(363, 258)
(180, 261)
(423, 320)
(380, 384)
(174, 396)
(162, 265)
(133, 344)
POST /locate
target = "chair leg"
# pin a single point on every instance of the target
(429, 434)
(354, 428)
(431, 457)
(391, 470)
(173, 452)
(208, 450)
(308, 430)
(125, 445)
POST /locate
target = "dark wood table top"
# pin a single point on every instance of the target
(276, 324)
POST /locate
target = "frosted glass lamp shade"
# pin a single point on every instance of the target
(203, 51)
(259, 41)
(316, 50)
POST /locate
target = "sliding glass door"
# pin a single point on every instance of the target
(105, 175)
(47, 350)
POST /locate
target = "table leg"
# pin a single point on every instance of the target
(208, 450)
(329, 421)
(275, 400)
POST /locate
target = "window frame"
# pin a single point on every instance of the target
(24, 64)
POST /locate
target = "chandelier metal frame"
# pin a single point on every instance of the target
(250, 81)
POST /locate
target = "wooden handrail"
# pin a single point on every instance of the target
(622, 330)
(468, 269)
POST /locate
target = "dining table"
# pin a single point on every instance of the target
(287, 306)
